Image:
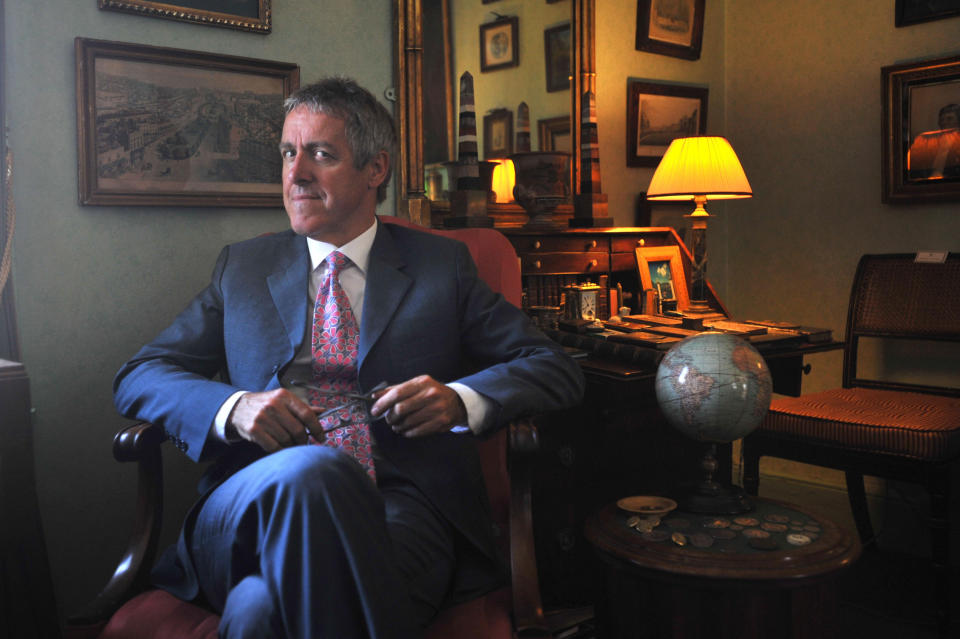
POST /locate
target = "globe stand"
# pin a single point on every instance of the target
(708, 496)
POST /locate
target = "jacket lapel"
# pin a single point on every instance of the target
(287, 285)
(386, 287)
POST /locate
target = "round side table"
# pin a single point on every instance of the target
(772, 572)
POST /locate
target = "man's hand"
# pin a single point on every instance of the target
(273, 419)
(420, 406)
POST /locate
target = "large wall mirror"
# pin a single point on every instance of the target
(550, 61)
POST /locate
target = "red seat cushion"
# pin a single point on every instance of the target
(156, 614)
(913, 425)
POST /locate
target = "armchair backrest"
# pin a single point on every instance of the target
(895, 297)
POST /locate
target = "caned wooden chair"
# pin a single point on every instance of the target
(894, 430)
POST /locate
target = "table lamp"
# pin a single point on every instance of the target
(699, 168)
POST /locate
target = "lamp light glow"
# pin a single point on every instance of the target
(699, 168)
(504, 179)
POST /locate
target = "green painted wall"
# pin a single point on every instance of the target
(93, 283)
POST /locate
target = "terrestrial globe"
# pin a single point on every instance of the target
(714, 388)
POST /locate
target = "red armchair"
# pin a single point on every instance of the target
(128, 608)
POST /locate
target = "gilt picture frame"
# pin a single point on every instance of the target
(554, 134)
(499, 44)
(557, 45)
(670, 27)
(659, 113)
(920, 132)
(169, 127)
(661, 269)
(247, 15)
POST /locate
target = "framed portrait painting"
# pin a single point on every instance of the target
(658, 113)
(497, 134)
(499, 46)
(248, 15)
(661, 270)
(921, 131)
(670, 27)
(557, 48)
(170, 127)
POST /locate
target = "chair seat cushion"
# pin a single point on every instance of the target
(913, 425)
(156, 614)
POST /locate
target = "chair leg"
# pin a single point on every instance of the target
(857, 495)
(751, 467)
(938, 485)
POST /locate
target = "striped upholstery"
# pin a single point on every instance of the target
(913, 425)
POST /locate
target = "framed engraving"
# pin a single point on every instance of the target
(169, 127)
(670, 27)
(658, 113)
(248, 15)
(497, 134)
(499, 46)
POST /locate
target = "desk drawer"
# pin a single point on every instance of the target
(556, 263)
(552, 244)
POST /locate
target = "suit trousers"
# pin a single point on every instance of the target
(302, 544)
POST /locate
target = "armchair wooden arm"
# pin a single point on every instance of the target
(138, 443)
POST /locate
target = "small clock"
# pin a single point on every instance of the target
(581, 301)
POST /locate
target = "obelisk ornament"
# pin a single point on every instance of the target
(523, 128)
(468, 174)
(590, 205)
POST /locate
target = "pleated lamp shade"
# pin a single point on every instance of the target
(699, 168)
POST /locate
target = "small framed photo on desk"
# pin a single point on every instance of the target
(661, 270)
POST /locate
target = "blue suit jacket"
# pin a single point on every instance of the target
(425, 312)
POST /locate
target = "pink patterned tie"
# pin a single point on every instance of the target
(335, 343)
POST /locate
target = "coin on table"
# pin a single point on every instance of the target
(679, 539)
(722, 533)
(655, 535)
(701, 540)
(773, 527)
(755, 533)
(763, 543)
(719, 522)
(746, 521)
(777, 519)
(798, 539)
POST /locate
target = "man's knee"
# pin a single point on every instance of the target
(249, 611)
(307, 472)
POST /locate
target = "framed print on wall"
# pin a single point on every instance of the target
(916, 11)
(248, 15)
(555, 134)
(658, 113)
(497, 134)
(670, 27)
(557, 47)
(169, 127)
(661, 270)
(499, 46)
(921, 131)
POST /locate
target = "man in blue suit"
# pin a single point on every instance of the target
(295, 540)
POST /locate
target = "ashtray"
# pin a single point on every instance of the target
(647, 505)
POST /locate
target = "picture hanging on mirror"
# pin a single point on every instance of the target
(670, 27)
(499, 46)
(557, 47)
(497, 134)
(658, 113)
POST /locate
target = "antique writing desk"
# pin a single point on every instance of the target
(616, 443)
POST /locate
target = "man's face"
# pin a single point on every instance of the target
(326, 198)
(948, 120)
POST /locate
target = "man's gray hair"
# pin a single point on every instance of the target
(367, 123)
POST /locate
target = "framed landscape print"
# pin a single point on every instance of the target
(499, 47)
(169, 127)
(921, 131)
(249, 15)
(658, 113)
(670, 27)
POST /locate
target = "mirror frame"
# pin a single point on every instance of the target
(412, 199)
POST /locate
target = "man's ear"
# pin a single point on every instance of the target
(379, 166)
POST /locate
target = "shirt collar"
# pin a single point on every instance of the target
(357, 249)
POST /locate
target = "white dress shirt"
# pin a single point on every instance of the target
(353, 279)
